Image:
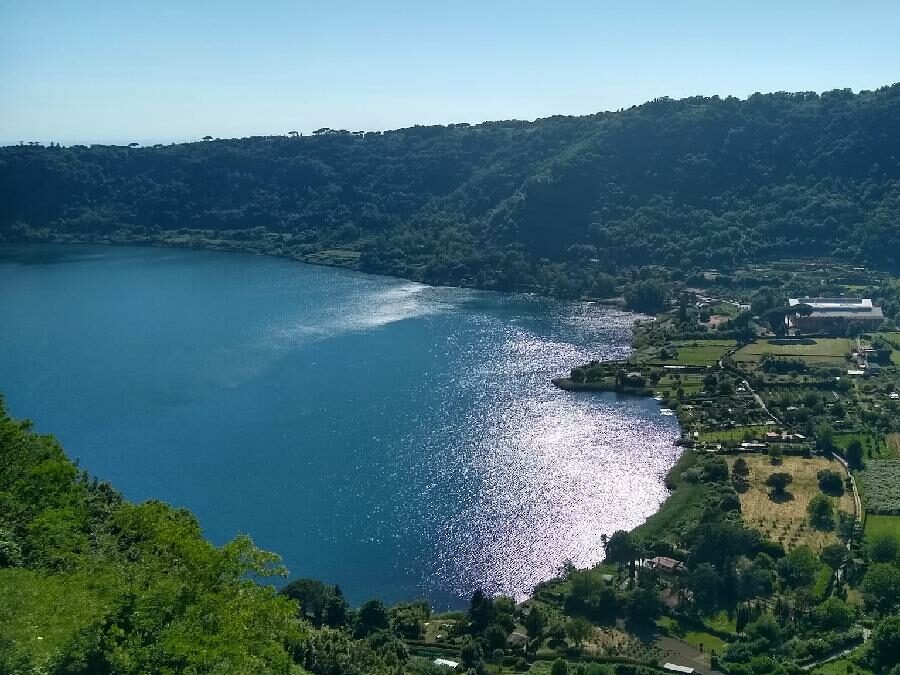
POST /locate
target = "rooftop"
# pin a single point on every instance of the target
(839, 307)
(678, 669)
(846, 304)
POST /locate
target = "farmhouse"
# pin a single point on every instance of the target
(833, 315)
(665, 564)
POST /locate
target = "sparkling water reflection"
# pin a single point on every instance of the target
(397, 439)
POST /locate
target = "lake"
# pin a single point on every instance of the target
(397, 439)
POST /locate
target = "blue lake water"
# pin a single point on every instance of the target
(397, 439)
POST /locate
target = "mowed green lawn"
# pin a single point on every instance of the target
(702, 352)
(878, 525)
(824, 349)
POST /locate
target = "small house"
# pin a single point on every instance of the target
(666, 565)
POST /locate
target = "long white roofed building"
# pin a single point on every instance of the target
(834, 315)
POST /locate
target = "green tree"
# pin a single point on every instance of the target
(408, 619)
(778, 483)
(834, 555)
(472, 655)
(621, 549)
(482, 612)
(579, 629)
(706, 585)
(642, 606)
(495, 637)
(821, 512)
(740, 470)
(825, 438)
(535, 621)
(881, 588)
(886, 643)
(830, 482)
(882, 548)
(319, 603)
(372, 616)
(834, 614)
(854, 454)
(798, 568)
(559, 667)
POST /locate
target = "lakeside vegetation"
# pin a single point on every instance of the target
(774, 568)
(786, 416)
(707, 213)
(617, 203)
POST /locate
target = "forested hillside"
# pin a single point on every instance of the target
(556, 204)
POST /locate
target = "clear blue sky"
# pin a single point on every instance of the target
(164, 70)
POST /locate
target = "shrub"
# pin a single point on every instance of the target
(880, 484)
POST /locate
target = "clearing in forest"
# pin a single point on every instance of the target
(786, 520)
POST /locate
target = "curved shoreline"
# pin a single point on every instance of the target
(617, 324)
(349, 261)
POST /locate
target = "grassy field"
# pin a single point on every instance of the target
(787, 521)
(702, 352)
(756, 431)
(876, 525)
(825, 350)
(697, 638)
(689, 383)
(840, 667)
(869, 441)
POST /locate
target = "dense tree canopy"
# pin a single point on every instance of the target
(554, 204)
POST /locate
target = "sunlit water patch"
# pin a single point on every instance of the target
(397, 439)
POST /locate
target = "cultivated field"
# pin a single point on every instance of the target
(702, 352)
(787, 521)
(825, 350)
(880, 485)
(736, 435)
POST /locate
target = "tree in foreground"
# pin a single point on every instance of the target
(834, 555)
(882, 548)
(881, 588)
(559, 667)
(579, 629)
(535, 621)
(821, 512)
(798, 568)
(621, 549)
(778, 483)
(886, 644)
(740, 471)
(830, 482)
(372, 616)
(854, 454)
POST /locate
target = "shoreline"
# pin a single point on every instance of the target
(338, 258)
(563, 383)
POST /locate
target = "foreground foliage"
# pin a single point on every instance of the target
(94, 584)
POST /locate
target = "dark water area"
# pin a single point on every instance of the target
(397, 439)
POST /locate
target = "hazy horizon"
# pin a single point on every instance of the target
(102, 72)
